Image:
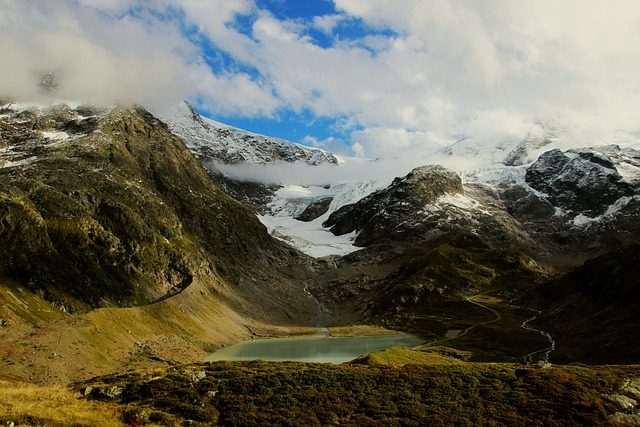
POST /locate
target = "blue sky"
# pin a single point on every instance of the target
(287, 124)
(374, 78)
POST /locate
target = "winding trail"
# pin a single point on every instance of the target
(528, 358)
(465, 331)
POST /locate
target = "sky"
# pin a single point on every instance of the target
(374, 78)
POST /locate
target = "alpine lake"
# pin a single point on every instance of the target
(312, 349)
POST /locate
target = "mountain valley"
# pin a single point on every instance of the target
(142, 240)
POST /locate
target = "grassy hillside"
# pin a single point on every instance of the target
(116, 248)
(606, 289)
(120, 215)
(295, 394)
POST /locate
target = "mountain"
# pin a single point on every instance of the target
(114, 198)
(434, 245)
(579, 203)
(220, 147)
(105, 214)
(425, 204)
(430, 240)
(141, 239)
(214, 142)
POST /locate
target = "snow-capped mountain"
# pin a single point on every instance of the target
(538, 182)
(508, 184)
(216, 142)
(277, 178)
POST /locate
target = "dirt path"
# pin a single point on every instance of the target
(528, 358)
(465, 331)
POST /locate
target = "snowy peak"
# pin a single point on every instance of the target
(540, 136)
(215, 142)
(583, 181)
(428, 202)
(499, 151)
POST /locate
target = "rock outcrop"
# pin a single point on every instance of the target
(582, 181)
(429, 204)
(315, 209)
(391, 213)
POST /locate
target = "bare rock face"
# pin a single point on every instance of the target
(315, 210)
(430, 204)
(567, 193)
(578, 181)
(382, 214)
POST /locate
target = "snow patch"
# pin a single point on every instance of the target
(309, 237)
(56, 135)
(21, 162)
(582, 220)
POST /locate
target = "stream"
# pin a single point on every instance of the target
(528, 359)
(544, 359)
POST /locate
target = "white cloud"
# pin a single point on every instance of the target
(396, 143)
(97, 58)
(336, 146)
(433, 71)
(327, 23)
(352, 170)
(234, 94)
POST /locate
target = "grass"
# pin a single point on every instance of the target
(28, 404)
(401, 356)
(20, 305)
(423, 392)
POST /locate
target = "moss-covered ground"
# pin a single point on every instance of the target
(430, 390)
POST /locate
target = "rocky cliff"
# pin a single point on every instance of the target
(427, 204)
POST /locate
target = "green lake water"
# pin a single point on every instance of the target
(328, 349)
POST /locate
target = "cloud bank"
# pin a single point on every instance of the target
(395, 78)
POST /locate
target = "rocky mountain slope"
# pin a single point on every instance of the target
(107, 208)
(580, 203)
(120, 212)
(217, 145)
(593, 308)
(214, 142)
(433, 245)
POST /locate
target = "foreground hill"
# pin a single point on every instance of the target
(445, 391)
